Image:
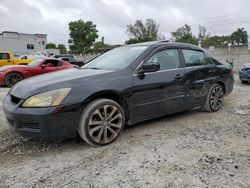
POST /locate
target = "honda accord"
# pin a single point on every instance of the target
(126, 85)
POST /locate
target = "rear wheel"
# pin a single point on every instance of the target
(214, 98)
(101, 123)
(12, 78)
(244, 82)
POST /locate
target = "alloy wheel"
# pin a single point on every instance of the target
(13, 78)
(105, 124)
(216, 98)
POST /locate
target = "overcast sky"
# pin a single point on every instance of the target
(111, 16)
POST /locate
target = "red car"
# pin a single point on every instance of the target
(10, 75)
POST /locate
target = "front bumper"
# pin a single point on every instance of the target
(2, 78)
(42, 123)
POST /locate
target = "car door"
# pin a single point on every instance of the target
(160, 92)
(5, 59)
(45, 67)
(199, 74)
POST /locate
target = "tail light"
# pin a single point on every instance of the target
(231, 71)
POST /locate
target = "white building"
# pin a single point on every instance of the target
(22, 43)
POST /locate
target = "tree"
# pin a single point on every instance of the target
(219, 41)
(82, 35)
(143, 32)
(184, 34)
(62, 48)
(202, 35)
(240, 36)
(50, 46)
(99, 45)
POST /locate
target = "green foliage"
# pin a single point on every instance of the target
(82, 35)
(184, 34)
(202, 35)
(145, 39)
(50, 46)
(143, 32)
(219, 41)
(99, 45)
(239, 36)
(62, 48)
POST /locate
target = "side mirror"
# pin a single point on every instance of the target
(151, 67)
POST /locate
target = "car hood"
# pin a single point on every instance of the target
(55, 80)
(6, 67)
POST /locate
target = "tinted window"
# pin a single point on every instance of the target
(65, 59)
(168, 59)
(71, 59)
(208, 60)
(51, 63)
(60, 63)
(194, 58)
(4, 56)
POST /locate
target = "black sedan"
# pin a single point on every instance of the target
(126, 85)
(244, 74)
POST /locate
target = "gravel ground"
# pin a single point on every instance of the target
(189, 149)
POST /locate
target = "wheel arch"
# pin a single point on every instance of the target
(223, 85)
(19, 72)
(11, 72)
(112, 95)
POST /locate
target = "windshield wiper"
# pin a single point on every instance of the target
(96, 68)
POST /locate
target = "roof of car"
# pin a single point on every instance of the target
(161, 42)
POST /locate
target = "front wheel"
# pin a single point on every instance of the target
(214, 98)
(101, 122)
(12, 78)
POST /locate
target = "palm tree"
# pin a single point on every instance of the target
(240, 36)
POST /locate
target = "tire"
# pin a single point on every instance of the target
(12, 78)
(214, 98)
(244, 82)
(101, 117)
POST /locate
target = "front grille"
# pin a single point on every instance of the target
(31, 126)
(14, 99)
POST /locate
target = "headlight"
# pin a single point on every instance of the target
(47, 99)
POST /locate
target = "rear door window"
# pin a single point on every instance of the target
(195, 58)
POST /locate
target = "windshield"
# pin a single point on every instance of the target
(35, 62)
(117, 58)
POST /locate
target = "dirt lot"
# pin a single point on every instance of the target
(190, 149)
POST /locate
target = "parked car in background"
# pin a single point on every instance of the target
(32, 57)
(244, 74)
(72, 60)
(10, 75)
(125, 85)
(7, 58)
(69, 58)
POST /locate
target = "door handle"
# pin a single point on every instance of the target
(178, 76)
(9, 61)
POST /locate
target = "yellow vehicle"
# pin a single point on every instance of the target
(7, 58)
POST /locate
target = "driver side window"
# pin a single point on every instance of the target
(49, 63)
(168, 59)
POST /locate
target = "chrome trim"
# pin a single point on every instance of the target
(135, 74)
